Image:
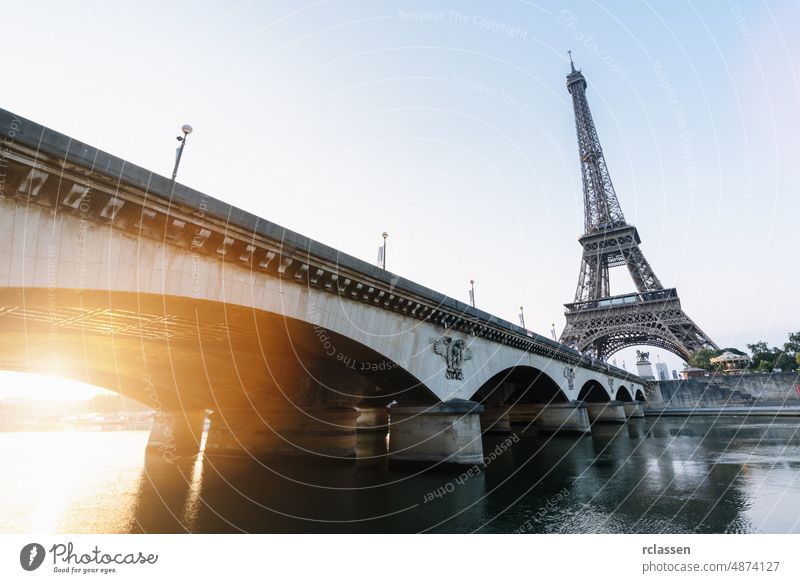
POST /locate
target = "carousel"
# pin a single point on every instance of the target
(730, 362)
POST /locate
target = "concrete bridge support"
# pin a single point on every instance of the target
(608, 412)
(176, 433)
(445, 432)
(571, 417)
(317, 432)
(633, 410)
(524, 413)
(495, 420)
(373, 419)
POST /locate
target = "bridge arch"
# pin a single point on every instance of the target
(179, 353)
(593, 391)
(639, 396)
(624, 395)
(520, 384)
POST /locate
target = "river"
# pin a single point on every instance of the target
(672, 475)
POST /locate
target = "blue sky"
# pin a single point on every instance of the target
(448, 125)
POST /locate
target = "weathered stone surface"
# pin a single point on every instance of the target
(568, 417)
(495, 420)
(447, 432)
(321, 433)
(609, 412)
(776, 388)
(564, 417)
(633, 410)
(373, 419)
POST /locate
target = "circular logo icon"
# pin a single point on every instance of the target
(31, 556)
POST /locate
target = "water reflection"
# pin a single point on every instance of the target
(192, 507)
(69, 481)
(668, 475)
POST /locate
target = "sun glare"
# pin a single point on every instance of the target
(17, 385)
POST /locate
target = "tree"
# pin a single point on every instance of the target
(793, 346)
(786, 362)
(792, 350)
(764, 366)
(760, 347)
(702, 358)
(762, 353)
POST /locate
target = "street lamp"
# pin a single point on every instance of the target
(385, 236)
(522, 318)
(472, 292)
(553, 331)
(186, 129)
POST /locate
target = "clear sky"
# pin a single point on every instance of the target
(448, 125)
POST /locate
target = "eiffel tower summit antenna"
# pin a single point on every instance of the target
(599, 323)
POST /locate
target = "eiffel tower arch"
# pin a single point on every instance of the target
(599, 323)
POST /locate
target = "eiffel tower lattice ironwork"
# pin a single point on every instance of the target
(598, 323)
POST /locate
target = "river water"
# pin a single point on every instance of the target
(672, 475)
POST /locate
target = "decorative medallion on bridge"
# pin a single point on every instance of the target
(569, 374)
(611, 384)
(454, 352)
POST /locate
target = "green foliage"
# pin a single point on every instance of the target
(793, 346)
(702, 358)
(766, 359)
(786, 361)
(764, 366)
(760, 351)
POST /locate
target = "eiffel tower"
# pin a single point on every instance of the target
(598, 323)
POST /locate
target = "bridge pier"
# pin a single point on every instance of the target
(321, 432)
(608, 412)
(495, 420)
(176, 433)
(373, 419)
(571, 417)
(633, 410)
(524, 413)
(445, 432)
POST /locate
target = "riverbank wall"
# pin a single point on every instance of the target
(739, 393)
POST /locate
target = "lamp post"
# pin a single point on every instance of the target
(186, 129)
(385, 236)
(522, 317)
(472, 292)
(553, 331)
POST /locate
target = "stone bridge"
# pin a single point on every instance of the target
(113, 275)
